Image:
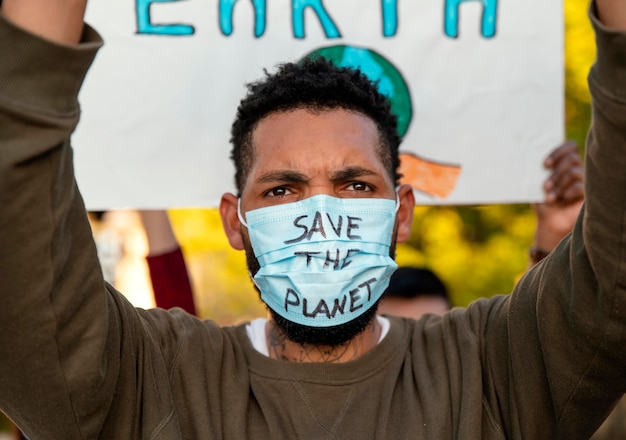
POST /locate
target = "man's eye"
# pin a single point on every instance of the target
(359, 186)
(277, 192)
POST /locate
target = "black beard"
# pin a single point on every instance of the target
(333, 336)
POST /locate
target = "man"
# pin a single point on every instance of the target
(80, 362)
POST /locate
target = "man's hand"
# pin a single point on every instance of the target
(57, 20)
(565, 185)
(564, 197)
(612, 13)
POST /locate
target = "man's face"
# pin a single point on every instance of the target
(300, 154)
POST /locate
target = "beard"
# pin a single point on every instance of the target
(332, 336)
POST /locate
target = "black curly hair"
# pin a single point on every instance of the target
(316, 84)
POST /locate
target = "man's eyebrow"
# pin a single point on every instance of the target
(350, 173)
(288, 176)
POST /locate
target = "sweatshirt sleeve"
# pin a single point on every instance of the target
(566, 322)
(56, 318)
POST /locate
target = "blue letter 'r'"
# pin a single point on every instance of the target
(226, 16)
(298, 7)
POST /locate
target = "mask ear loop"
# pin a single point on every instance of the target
(240, 217)
(397, 199)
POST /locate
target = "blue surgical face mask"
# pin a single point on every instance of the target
(324, 260)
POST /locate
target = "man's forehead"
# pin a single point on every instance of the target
(315, 125)
(304, 113)
(304, 145)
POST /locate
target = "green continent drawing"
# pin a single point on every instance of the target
(377, 68)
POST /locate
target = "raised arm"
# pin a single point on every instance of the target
(571, 304)
(57, 323)
(168, 272)
(73, 351)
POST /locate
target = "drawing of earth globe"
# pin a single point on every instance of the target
(378, 69)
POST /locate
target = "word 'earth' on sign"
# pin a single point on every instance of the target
(389, 15)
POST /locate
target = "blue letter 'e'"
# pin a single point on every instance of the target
(144, 25)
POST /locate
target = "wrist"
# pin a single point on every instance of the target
(537, 254)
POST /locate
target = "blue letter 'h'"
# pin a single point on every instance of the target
(451, 19)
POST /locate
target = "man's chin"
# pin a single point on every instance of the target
(333, 336)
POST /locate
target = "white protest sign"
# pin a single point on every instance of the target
(477, 86)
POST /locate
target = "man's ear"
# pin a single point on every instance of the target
(230, 220)
(404, 215)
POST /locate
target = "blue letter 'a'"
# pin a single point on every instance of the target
(451, 20)
(298, 7)
(144, 25)
(390, 17)
(226, 16)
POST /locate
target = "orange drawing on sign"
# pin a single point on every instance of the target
(432, 178)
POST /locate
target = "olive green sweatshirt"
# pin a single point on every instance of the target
(77, 361)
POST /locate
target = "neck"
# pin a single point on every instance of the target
(282, 348)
